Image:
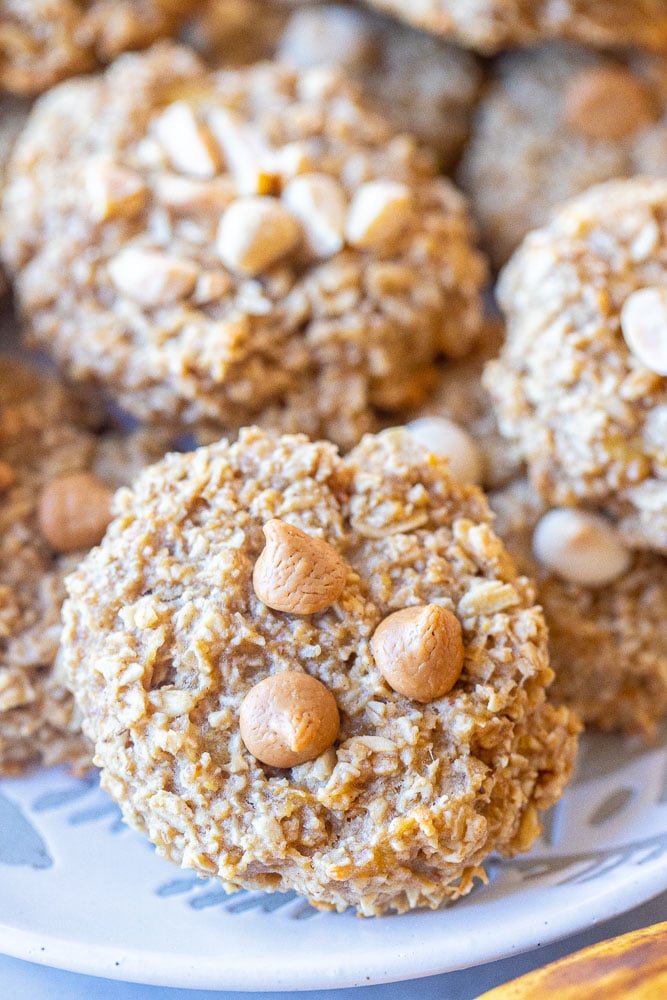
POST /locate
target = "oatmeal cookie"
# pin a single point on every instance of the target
(249, 246)
(187, 678)
(435, 103)
(607, 643)
(44, 41)
(56, 478)
(580, 382)
(490, 25)
(553, 122)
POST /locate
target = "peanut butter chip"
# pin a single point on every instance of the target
(296, 572)
(419, 651)
(379, 214)
(607, 102)
(580, 547)
(7, 477)
(288, 718)
(644, 326)
(74, 511)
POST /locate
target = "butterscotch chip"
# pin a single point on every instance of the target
(316, 322)
(59, 472)
(587, 416)
(607, 102)
(297, 572)
(264, 746)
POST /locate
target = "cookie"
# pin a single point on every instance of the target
(553, 122)
(57, 474)
(607, 642)
(435, 103)
(255, 737)
(250, 246)
(490, 25)
(579, 385)
(44, 41)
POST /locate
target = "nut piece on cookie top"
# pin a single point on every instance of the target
(265, 744)
(586, 409)
(491, 25)
(57, 473)
(240, 247)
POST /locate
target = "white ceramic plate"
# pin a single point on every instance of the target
(80, 891)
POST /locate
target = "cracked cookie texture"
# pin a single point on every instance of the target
(44, 41)
(45, 433)
(490, 25)
(164, 636)
(241, 247)
(587, 415)
(607, 644)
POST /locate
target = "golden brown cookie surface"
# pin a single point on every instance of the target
(411, 797)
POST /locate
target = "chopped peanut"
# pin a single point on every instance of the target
(74, 511)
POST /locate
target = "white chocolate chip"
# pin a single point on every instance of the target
(318, 202)
(580, 547)
(379, 213)
(444, 437)
(187, 143)
(255, 233)
(114, 190)
(152, 278)
(644, 326)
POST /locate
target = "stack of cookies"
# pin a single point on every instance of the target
(304, 648)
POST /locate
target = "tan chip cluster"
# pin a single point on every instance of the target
(250, 246)
(57, 475)
(182, 672)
